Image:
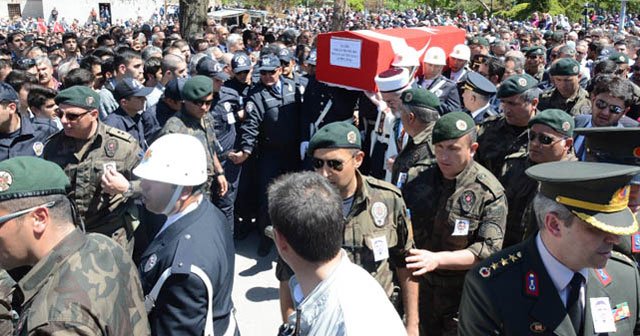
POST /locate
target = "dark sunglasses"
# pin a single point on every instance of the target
(615, 109)
(200, 102)
(70, 116)
(542, 138)
(336, 165)
(267, 72)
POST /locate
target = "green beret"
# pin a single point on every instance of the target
(479, 40)
(337, 134)
(565, 67)
(559, 120)
(619, 58)
(536, 50)
(515, 85)
(421, 98)
(452, 125)
(28, 176)
(80, 96)
(197, 87)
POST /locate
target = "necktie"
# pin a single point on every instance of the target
(574, 304)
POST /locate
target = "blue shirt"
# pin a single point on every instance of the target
(134, 126)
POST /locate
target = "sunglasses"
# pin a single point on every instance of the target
(13, 215)
(543, 138)
(267, 72)
(336, 165)
(203, 102)
(70, 116)
(615, 109)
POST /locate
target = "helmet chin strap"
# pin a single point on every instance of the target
(168, 209)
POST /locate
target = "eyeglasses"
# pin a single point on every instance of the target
(336, 165)
(13, 215)
(267, 72)
(543, 138)
(203, 102)
(615, 109)
(70, 116)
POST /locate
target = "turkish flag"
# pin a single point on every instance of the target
(57, 28)
(42, 28)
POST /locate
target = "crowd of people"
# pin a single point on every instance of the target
(492, 189)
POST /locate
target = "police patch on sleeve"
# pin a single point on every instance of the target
(38, 147)
(151, 262)
(250, 107)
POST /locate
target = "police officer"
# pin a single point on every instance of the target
(288, 63)
(131, 96)
(240, 82)
(59, 293)
(565, 280)
(506, 135)
(476, 97)
(433, 80)
(98, 160)
(567, 94)
(378, 233)
(20, 136)
(418, 113)
(169, 104)
(271, 132)
(459, 210)
(195, 119)
(550, 139)
(187, 269)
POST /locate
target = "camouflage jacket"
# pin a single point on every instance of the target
(469, 212)
(86, 285)
(577, 104)
(84, 162)
(498, 140)
(378, 214)
(417, 155)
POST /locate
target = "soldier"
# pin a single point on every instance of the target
(459, 211)
(476, 97)
(378, 234)
(195, 119)
(550, 139)
(433, 80)
(478, 46)
(566, 280)
(567, 95)
(271, 132)
(505, 135)
(535, 62)
(98, 160)
(622, 61)
(187, 270)
(20, 136)
(78, 283)
(418, 113)
(131, 96)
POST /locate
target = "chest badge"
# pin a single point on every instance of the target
(379, 213)
(467, 200)
(537, 327)
(151, 262)
(38, 147)
(111, 147)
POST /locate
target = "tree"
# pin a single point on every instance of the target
(337, 21)
(193, 14)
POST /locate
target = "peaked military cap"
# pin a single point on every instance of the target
(565, 67)
(420, 97)
(27, 176)
(479, 84)
(612, 144)
(597, 193)
(536, 50)
(516, 84)
(337, 134)
(80, 96)
(197, 87)
(559, 120)
(452, 125)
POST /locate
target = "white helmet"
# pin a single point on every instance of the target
(461, 52)
(177, 159)
(435, 56)
(406, 57)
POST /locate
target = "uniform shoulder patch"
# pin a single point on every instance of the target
(487, 179)
(182, 259)
(119, 134)
(498, 264)
(615, 255)
(379, 184)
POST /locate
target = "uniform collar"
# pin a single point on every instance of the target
(475, 113)
(423, 135)
(129, 122)
(461, 179)
(362, 194)
(560, 274)
(87, 145)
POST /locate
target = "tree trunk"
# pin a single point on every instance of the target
(337, 21)
(193, 15)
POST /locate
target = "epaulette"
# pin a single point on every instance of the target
(490, 120)
(487, 179)
(499, 265)
(547, 93)
(376, 183)
(118, 133)
(182, 258)
(615, 255)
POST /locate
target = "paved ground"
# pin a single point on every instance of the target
(255, 290)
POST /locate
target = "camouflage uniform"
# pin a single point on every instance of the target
(204, 130)
(6, 316)
(476, 202)
(577, 104)
(86, 285)
(415, 156)
(84, 162)
(497, 141)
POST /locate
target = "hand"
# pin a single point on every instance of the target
(223, 185)
(238, 157)
(241, 115)
(303, 149)
(114, 183)
(356, 118)
(412, 330)
(422, 261)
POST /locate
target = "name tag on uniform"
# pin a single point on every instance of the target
(380, 248)
(602, 315)
(402, 178)
(461, 228)
(231, 119)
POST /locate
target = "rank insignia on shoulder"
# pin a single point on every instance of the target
(603, 276)
(621, 312)
(537, 327)
(531, 284)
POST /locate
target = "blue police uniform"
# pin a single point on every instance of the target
(28, 140)
(200, 238)
(447, 92)
(160, 112)
(134, 126)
